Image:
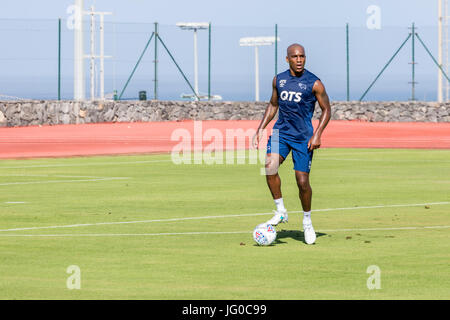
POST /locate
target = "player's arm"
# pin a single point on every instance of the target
(269, 114)
(324, 103)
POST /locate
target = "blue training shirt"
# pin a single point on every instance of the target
(296, 102)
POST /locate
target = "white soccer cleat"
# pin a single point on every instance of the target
(280, 216)
(309, 233)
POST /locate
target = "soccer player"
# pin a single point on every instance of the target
(294, 94)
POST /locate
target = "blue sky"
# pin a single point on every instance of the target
(322, 13)
(320, 25)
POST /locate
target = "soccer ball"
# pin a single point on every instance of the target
(264, 234)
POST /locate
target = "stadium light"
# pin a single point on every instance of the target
(194, 26)
(256, 42)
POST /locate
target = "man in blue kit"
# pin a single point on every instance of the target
(294, 94)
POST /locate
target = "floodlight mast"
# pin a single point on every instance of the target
(256, 74)
(440, 18)
(194, 26)
(93, 56)
(79, 79)
(79, 56)
(256, 42)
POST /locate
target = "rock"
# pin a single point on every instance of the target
(65, 119)
(108, 116)
(65, 108)
(23, 113)
(3, 120)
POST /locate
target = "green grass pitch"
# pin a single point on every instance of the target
(142, 227)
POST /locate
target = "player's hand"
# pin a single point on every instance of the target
(314, 143)
(257, 138)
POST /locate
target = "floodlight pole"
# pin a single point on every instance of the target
(195, 63)
(348, 61)
(256, 42)
(256, 74)
(93, 56)
(79, 79)
(195, 26)
(276, 49)
(209, 61)
(102, 56)
(440, 18)
(59, 59)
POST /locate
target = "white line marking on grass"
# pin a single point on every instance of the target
(362, 152)
(385, 229)
(123, 234)
(215, 217)
(383, 160)
(15, 202)
(48, 176)
(133, 222)
(58, 165)
(207, 232)
(381, 206)
(62, 181)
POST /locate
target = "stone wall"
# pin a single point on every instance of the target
(26, 113)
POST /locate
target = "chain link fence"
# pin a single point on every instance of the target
(37, 61)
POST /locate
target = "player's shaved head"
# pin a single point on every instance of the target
(296, 58)
(291, 49)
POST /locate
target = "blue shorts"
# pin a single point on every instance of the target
(301, 156)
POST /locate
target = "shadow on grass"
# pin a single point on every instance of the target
(293, 234)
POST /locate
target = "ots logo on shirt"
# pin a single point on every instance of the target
(291, 96)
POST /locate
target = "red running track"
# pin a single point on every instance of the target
(153, 137)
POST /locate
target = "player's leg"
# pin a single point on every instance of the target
(305, 190)
(302, 165)
(273, 162)
(276, 153)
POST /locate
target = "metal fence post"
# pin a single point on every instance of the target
(137, 64)
(384, 68)
(432, 57)
(413, 63)
(178, 67)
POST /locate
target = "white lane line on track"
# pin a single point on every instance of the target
(215, 217)
(209, 232)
